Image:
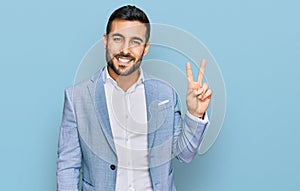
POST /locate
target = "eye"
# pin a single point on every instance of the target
(136, 42)
(117, 39)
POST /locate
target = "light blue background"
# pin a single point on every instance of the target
(256, 43)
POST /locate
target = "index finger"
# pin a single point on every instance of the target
(189, 73)
(201, 71)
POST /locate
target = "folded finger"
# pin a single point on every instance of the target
(207, 94)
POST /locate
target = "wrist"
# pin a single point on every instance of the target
(198, 115)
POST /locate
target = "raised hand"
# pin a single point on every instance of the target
(198, 95)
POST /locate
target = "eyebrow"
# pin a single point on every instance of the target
(135, 38)
(117, 34)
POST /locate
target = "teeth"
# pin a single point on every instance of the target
(123, 60)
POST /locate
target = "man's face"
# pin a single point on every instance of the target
(125, 46)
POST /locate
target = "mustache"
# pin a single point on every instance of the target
(121, 54)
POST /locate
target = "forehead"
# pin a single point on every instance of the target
(128, 28)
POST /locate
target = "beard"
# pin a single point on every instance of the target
(119, 70)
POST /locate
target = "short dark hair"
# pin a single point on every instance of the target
(130, 13)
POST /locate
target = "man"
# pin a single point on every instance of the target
(122, 128)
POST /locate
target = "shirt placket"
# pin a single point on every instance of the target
(128, 140)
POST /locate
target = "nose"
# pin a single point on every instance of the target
(125, 48)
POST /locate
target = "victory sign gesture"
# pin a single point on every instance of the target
(198, 95)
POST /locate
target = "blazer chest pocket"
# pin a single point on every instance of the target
(163, 105)
(159, 111)
(163, 111)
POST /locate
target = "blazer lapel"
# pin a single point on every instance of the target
(97, 93)
(151, 104)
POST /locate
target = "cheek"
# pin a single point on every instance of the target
(111, 51)
(138, 51)
(113, 48)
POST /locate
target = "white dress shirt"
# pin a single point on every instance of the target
(128, 119)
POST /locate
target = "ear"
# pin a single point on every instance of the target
(104, 40)
(146, 48)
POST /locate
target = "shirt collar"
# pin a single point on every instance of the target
(109, 79)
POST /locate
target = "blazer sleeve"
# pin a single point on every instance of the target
(188, 134)
(69, 151)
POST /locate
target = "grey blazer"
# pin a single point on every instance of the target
(86, 153)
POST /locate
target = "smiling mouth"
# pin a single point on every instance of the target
(124, 61)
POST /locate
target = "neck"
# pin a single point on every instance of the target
(124, 82)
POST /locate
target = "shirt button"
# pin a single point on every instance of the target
(112, 167)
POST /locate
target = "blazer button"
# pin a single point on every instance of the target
(113, 167)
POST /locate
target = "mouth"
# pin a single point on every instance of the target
(124, 60)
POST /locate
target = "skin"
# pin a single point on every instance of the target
(125, 38)
(125, 47)
(198, 95)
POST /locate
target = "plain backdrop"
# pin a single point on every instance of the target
(256, 44)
